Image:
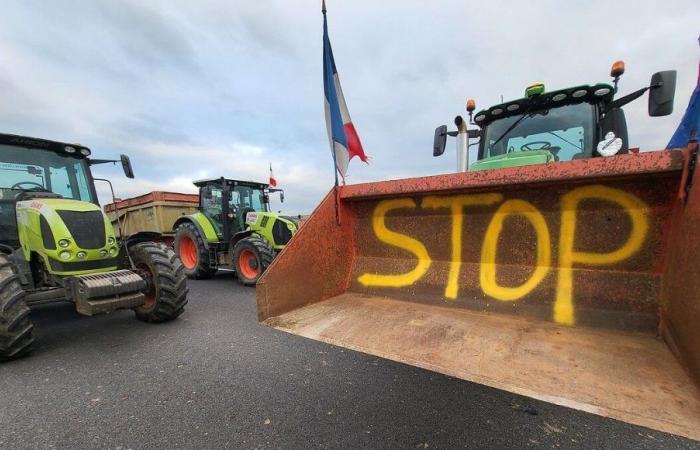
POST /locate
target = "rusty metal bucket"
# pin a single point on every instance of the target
(575, 283)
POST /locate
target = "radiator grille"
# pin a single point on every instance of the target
(281, 233)
(86, 227)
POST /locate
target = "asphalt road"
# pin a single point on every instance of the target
(215, 378)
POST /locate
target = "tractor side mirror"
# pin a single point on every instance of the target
(440, 140)
(282, 196)
(126, 165)
(661, 93)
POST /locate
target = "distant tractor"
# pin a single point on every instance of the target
(580, 122)
(56, 245)
(233, 229)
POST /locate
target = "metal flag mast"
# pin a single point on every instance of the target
(336, 188)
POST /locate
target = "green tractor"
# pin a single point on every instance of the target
(579, 122)
(56, 245)
(233, 230)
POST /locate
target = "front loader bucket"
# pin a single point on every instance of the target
(575, 283)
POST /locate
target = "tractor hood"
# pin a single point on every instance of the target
(276, 229)
(70, 235)
(513, 159)
(253, 218)
(50, 205)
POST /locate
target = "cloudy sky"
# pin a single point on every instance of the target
(208, 88)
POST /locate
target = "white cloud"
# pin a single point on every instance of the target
(210, 88)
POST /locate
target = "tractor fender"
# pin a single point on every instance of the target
(238, 236)
(204, 227)
(143, 236)
(123, 259)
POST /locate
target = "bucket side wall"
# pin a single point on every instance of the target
(314, 266)
(681, 283)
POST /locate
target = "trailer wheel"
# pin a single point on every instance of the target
(251, 256)
(166, 291)
(192, 250)
(16, 328)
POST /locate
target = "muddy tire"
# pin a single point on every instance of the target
(192, 249)
(16, 329)
(166, 294)
(251, 256)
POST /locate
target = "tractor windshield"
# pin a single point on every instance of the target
(34, 169)
(248, 198)
(241, 201)
(566, 132)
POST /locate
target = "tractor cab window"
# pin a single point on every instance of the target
(566, 132)
(249, 198)
(212, 206)
(243, 200)
(44, 170)
(62, 184)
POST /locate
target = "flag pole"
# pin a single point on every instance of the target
(336, 188)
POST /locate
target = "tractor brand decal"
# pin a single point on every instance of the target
(251, 217)
(568, 213)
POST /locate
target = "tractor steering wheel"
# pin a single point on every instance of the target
(530, 146)
(36, 185)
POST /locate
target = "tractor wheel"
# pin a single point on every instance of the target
(193, 252)
(251, 256)
(15, 324)
(166, 290)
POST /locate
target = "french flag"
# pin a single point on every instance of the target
(343, 138)
(273, 180)
(690, 123)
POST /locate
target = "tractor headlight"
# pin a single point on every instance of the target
(110, 240)
(103, 253)
(63, 243)
(81, 255)
(64, 255)
(113, 251)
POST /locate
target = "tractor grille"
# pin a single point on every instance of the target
(87, 228)
(281, 233)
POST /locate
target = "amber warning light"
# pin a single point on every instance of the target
(617, 69)
(471, 105)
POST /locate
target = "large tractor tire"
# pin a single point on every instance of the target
(193, 252)
(251, 256)
(166, 292)
(16, 329)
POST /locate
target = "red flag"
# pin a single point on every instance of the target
(273, 181)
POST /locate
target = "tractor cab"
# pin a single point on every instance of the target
(579, 122)
(227, 203)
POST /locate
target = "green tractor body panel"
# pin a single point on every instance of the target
(44, 227)
(513, 159)
(274, 228)
(205, 225)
